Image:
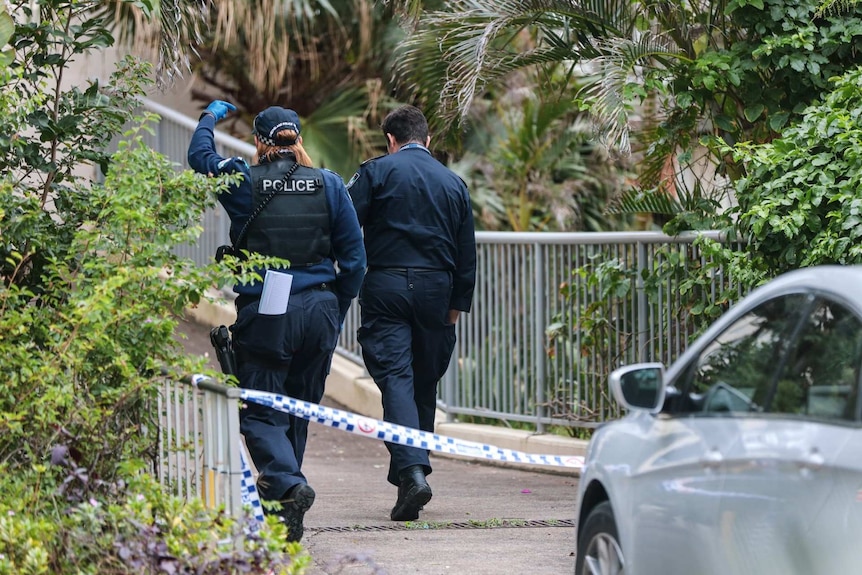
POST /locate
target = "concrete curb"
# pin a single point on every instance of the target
(350, 386)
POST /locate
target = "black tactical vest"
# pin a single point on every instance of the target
(294, 225)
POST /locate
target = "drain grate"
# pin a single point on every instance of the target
(420, 525)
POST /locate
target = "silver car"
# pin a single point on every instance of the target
(745, 455)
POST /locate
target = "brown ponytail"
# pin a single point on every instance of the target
(270, 153)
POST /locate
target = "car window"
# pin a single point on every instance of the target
(735, 372)
(820, 375)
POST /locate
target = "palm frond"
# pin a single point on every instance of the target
(540, 164)
(275, 35)
(457, 52)
(167, 35)
(182, 25)
(834, 7)
(634, 201)
(338, 136)
(616, 68)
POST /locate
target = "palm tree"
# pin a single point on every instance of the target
(532, 165)
(163, 30)
(457, 52)
(328, 60)
(473, 45)
(660, 75)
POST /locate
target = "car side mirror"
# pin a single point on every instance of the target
(639, 386)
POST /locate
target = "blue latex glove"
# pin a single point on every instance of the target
(220, 108)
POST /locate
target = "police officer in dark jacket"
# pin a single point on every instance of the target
(421, 247)
(284, 207)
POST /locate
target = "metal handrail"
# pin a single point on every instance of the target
(504, 368)
(199, 442)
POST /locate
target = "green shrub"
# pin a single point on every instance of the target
(137, 529)
(91, 291)
(800, 202)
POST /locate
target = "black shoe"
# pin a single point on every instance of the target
(293, 507)
(413, 493)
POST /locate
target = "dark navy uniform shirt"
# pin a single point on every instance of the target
(417, 214)
(347, 245)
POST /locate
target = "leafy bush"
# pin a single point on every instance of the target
(91, 291)
(800, 203)
(136, 530)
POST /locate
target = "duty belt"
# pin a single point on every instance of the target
(393, 269)
(243, 300)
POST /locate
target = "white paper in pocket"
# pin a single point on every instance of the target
(276, 293)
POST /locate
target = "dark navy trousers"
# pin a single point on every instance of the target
(407, 343)
(290, 355)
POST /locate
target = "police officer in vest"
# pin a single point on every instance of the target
(421, 245)
(284, 207)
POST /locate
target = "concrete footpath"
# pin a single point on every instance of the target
(483, 519)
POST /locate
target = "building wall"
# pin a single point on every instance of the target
(101, 64)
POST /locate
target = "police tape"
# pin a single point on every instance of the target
(382, 430)
(248, 487)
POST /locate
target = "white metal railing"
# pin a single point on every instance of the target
(503, 367)
(199, 442)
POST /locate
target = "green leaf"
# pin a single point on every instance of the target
(797, 63)
(725, 123)
(778, 121)
(7, 57)
(7, 27)
(752, 113)
(851, 222)
(146, 7)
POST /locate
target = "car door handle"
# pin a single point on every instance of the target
(712, 459)
(812, 462)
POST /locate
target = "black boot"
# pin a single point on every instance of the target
(295, 503)
(413, 493)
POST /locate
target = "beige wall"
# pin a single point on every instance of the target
(101, 64)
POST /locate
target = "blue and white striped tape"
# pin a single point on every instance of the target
(250, 496)
(376, 429)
